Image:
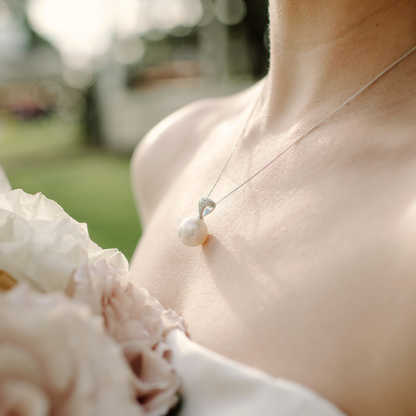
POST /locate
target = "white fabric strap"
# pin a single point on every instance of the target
(217, 386)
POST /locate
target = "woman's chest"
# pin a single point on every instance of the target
(302, 279)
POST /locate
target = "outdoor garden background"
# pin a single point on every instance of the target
(82, 81)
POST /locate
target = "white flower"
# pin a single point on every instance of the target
(41, 245)
(139, 323)
(57, 360)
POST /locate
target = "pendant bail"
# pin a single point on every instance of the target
(205, 207)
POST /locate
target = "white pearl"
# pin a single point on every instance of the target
(193, 231)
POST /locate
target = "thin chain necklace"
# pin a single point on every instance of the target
(193, 231)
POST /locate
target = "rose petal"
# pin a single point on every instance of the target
(56, 346)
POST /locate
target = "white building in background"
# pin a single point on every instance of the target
(103, 37)
(127, 114)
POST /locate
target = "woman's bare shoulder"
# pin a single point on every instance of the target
(166, 150)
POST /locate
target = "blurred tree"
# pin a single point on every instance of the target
(257, 25)
(18, 8)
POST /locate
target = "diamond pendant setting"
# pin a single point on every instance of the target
(193, 231)
(205, 207)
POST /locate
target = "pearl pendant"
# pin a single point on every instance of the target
(193, 231)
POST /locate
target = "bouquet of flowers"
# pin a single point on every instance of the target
(77, 338)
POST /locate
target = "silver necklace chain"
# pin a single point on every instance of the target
(314, 127)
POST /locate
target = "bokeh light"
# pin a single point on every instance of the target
(127, 51)
(48, 95)
(230, 12)
(83, 30)
(77, 78)
(79, 29)
(207, 13)
(167, 14)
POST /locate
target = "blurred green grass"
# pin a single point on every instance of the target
(91, 185)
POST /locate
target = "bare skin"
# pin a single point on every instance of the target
(310, 269)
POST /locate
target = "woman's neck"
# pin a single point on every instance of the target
(322, 51)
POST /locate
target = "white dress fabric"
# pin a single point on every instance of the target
(213, 385)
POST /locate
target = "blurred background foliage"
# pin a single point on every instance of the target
(82, 81)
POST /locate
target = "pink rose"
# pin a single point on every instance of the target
(139, 323)
(57, 360)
